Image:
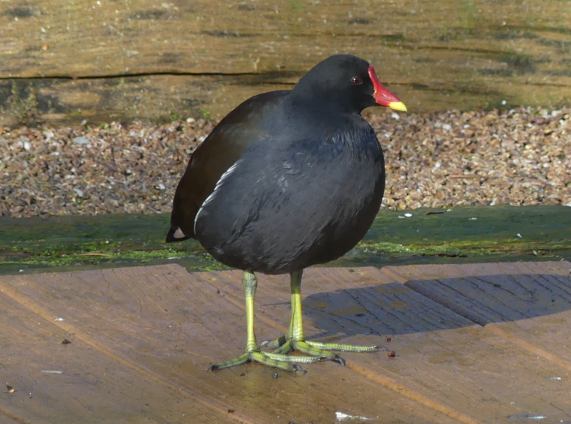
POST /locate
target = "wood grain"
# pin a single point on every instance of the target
(105, 59)
(142, 338)
(57, 382)
(444, 361)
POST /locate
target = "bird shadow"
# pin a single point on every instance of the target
(432, 305)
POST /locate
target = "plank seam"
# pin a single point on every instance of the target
(530, 347)
(13, 417)
(230, 74)
(403, 280)
(413, 395)
(493, 328)
(148, 74)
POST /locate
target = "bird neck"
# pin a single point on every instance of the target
(316, 101)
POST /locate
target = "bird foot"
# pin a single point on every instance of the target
(323, 351)
(272, 359)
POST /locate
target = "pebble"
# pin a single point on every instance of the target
(81, 140)
(435, 160)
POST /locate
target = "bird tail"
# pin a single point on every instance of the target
(176, 234)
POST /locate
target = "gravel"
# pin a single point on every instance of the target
(517, 157)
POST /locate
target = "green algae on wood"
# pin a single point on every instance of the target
(86, 241)
(418, 236)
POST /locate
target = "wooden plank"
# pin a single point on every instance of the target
(453, 55)
(143, 36)
(530, 305)
(163, 98)
(444, 360)
(160, 98)
(160, 327)
(168, 325)
(56, 382)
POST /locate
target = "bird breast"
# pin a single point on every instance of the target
(284, 206)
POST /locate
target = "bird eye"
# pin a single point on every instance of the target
(356, 80)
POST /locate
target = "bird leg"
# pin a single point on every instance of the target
(253, 352)
(296, 339)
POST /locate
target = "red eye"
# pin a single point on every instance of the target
(356, 80)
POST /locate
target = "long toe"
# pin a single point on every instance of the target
(273, 361)
(317, 351)
(242, 359)
(311, 350)
(293, 358)
(341, 347)
(284, 362)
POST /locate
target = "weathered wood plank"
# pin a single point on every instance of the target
(167, 97)
(83, 38)
(168, 324)
(56, 382)
(157, 329)
(449, 55)
(459, 370)
(529, 305)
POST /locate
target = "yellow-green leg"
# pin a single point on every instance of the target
(296, 339)
(253, 352)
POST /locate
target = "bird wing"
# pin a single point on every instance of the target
(307, 201)
(220, 150)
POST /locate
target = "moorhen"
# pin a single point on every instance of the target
(286, 180)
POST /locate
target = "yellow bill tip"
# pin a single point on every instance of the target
(398, 106)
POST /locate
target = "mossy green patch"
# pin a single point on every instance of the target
(419, 236)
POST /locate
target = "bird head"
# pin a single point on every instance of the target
(347, 82)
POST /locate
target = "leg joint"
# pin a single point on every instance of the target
(250, 283)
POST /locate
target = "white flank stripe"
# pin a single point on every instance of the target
(216, 187)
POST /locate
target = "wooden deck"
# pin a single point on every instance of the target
(478, 343)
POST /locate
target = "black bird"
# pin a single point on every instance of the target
(286, 180)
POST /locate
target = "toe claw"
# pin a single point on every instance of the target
(299, 369)
(338, 359)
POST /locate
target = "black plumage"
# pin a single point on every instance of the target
(288, 179)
